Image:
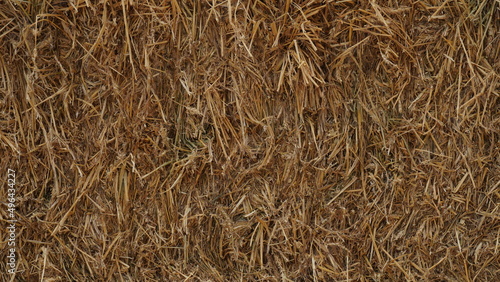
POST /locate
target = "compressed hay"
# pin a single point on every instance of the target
(252, 140)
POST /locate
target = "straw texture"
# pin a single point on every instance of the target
(252, 140)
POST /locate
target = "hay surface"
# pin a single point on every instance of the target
(252, 140)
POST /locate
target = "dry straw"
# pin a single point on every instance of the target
(252, 140)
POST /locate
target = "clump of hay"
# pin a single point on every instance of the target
(252, 140)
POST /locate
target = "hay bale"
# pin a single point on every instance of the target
(252, 140)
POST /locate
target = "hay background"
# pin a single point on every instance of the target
(252, 140)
